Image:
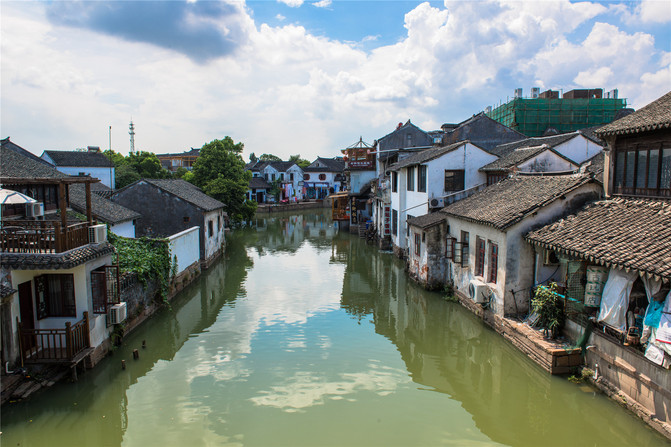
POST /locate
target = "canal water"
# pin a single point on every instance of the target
(304, 336)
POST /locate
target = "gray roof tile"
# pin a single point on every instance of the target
(102, 208)
(425, 155)
(656, 115)
(622, 232)
(187, 192)
(65, 260)
(79, 159)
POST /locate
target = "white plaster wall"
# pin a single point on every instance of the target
(100, 173)
(83, 299)
(185, 246)
(217, 240)
(398, 204)
(358, 179)
(550, 161)
(125, 229)
(578, 149)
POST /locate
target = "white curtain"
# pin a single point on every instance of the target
(615, 298)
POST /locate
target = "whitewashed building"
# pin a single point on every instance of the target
(91, 162)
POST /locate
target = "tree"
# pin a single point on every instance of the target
(125, 175)
(301, 162)
(147, 165)
(269, 157)
(253, 158)
(116, 158)
(219, 171)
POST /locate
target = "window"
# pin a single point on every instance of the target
(408, 139)
(291, 176)
(454, 180)
(394, 181)
(186, 219)
(464, 248)
(55, 296)
(219, 219)
(104, 288)
(282, 176)
(306, 177)
(479, 256)
(266, 176)
(272, 176)
(421, 180)
(418, 244)
(644, 170)
(449, 248)
(411, 178)
(407, 227)
(209, 228)
(394, 222)
(493, 261)
(322, 176)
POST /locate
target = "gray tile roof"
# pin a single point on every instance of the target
(6, 290)
(425, 155)
(6, 143)
(259, 183)
(519, 155)
(551, 141)
(79, 159)
(187, 192)
(656, 115)
(620, 232)
(509, 201)
(331, 165)
(17, 163)
(65, 260)
(102, 208)
(427, 220)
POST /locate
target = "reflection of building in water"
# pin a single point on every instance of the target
(286, 233)
(106, 387)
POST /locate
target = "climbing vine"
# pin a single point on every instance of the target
(148, 258)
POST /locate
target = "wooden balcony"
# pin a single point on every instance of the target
(41, 236)
(68, 345)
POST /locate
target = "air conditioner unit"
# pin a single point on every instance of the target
(97, 234)
(478, 291)
(437, 203)
(34, 209)
(118, 313)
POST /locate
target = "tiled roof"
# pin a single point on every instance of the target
(103, 209)
(192, 153)
(187, 192)
(18, 163)
(509, 201)
(280, 166)
(518, 156)
(551, 141)
(259, 183)
(656, 115)
(425, 155)
(595, 165)
(6, 143)
(6, 290)
(427, 220)
(331, 165)
(620, 232)
(65, 260)
(79, 159)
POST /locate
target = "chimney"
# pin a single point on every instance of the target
(93, 148)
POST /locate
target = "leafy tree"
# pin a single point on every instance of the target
(180, 172)
(147, 165)
(253, 158)
(219, 171)
(269, 157)
(125, 175)
(117, 158)
(301, 162)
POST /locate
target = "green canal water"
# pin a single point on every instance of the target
(303, 336)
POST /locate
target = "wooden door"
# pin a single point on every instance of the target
(27, 314)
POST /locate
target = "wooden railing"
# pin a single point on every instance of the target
(41, 237)
(54, 345)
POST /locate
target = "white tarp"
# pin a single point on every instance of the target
(615, 298)
(663, 333)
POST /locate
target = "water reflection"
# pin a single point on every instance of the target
(306, 336)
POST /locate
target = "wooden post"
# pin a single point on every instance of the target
(63, 205)
(123, 364)
(86, 329)
(58, 238)
(89, 215)
(18, 325)
(68, 341)
(136, 354)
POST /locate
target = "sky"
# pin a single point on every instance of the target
(304, 77)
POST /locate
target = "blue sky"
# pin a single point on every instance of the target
(308, 77)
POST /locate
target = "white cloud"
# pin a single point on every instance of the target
(280, 17)
(654, 11)
(285, 90)
(322, 4)
(292, 3)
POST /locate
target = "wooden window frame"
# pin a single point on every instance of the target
(50, 301)
(105, 290)
(418, 244)
(465, 239)
(410, 178)
(480, 252)
(457, 178)
(493, 262)
(421, 178)
(449, 247)
(624, 171)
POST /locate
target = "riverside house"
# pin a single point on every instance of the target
(58, 276)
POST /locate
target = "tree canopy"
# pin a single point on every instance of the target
(135, 166)
(301, 162)
(269, 157)
(219, 171)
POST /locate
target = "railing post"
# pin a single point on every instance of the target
(58, 237)
(18, 325)
(68, 340)
(87, 334)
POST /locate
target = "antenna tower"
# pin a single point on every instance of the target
(132, 136)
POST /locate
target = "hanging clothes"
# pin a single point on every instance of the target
(615, 298)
